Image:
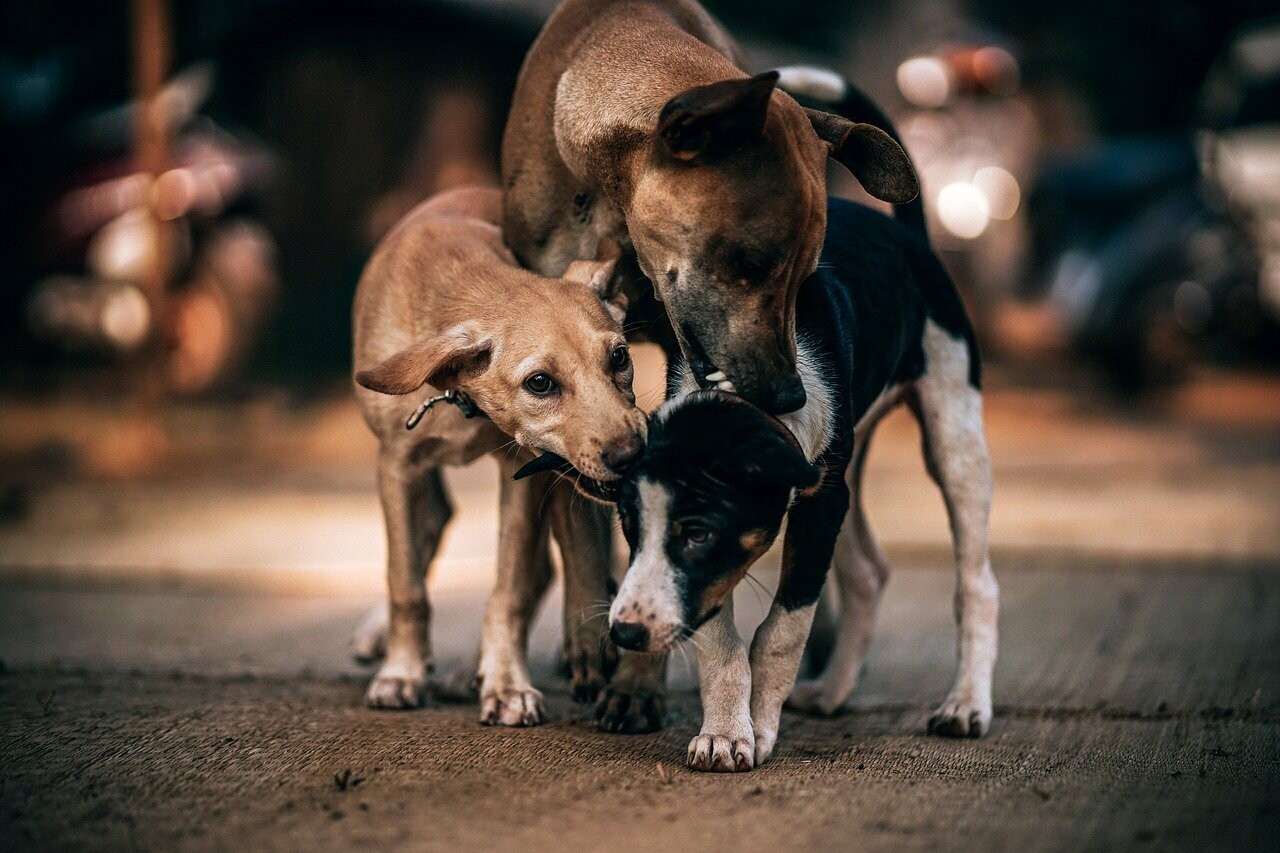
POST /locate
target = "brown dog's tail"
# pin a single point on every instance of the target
(822, 89)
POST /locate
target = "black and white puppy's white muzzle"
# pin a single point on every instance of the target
(703, 503)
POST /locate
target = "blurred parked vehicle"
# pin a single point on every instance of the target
(1161, 251)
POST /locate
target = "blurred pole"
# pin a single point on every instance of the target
(151, 58)
(145, 442)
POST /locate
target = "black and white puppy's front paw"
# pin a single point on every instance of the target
(961, 716)
(722, 753)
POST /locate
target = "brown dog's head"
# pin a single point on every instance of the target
(545, 360)
(728, 217)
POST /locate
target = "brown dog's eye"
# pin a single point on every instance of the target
(620, 359)
(540, 384)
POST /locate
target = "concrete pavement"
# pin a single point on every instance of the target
(175, 670)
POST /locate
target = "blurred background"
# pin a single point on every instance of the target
(190, 191)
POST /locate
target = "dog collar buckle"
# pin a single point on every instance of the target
(464, 403)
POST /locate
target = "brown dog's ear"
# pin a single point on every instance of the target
(598, 275)
(719, 116)
(439, 361)
(879, 163)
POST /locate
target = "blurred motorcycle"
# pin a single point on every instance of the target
(102, 236)
(1162, 251)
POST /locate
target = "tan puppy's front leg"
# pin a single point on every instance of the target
(583, 531)
(416, 508)
(507, 694)
(726, 743)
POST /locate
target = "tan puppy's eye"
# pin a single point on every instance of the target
(541, 385)
(620, 358)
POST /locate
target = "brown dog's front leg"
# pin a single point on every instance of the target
(583, 530)
(635, 702)
(416, 508)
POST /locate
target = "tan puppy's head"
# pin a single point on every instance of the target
(547, 362)
(728, 216)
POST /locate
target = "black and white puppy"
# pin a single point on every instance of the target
(880, 323)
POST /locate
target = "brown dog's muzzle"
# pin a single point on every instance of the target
(761, 368)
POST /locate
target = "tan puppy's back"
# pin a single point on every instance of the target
(430, 270)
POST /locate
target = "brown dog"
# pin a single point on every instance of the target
(633, 120)
(443, 304)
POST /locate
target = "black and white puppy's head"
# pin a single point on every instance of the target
(705, 501)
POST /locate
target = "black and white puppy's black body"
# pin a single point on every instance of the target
(879, 323)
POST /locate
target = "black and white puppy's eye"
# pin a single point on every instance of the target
(540, 385)
(695, 535)
(620, 358)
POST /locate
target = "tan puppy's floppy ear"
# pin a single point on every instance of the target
(879, 163)
(706, 119)
(439, 361)
(598, 275)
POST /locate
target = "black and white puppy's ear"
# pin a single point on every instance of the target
(770, 456)
(704, 120)
(598, 275)
(440, 361)
(879, 163)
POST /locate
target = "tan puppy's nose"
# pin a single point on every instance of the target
(621, 455)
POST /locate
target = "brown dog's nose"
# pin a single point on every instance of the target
(788, 396)
(621, 455)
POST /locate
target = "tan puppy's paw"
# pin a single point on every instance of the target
(460, 685)
(721, 753)
(511, 707)
(369, 642)
(397, 687)
(961, 716)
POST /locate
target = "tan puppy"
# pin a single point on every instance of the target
(443, 306)
(633, 120)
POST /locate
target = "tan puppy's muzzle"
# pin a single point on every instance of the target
(620, 455)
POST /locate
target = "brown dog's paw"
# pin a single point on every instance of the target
(393, 689)
(810, 697)
(630, 711)
(590, 670)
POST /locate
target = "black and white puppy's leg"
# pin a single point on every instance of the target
(861, 571)
(583, 531)
(727, 741)
(416, 509)
(950, 413)
(813, 525)
(507, 694)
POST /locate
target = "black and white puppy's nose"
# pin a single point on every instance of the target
(621, 455)
(630, 635)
